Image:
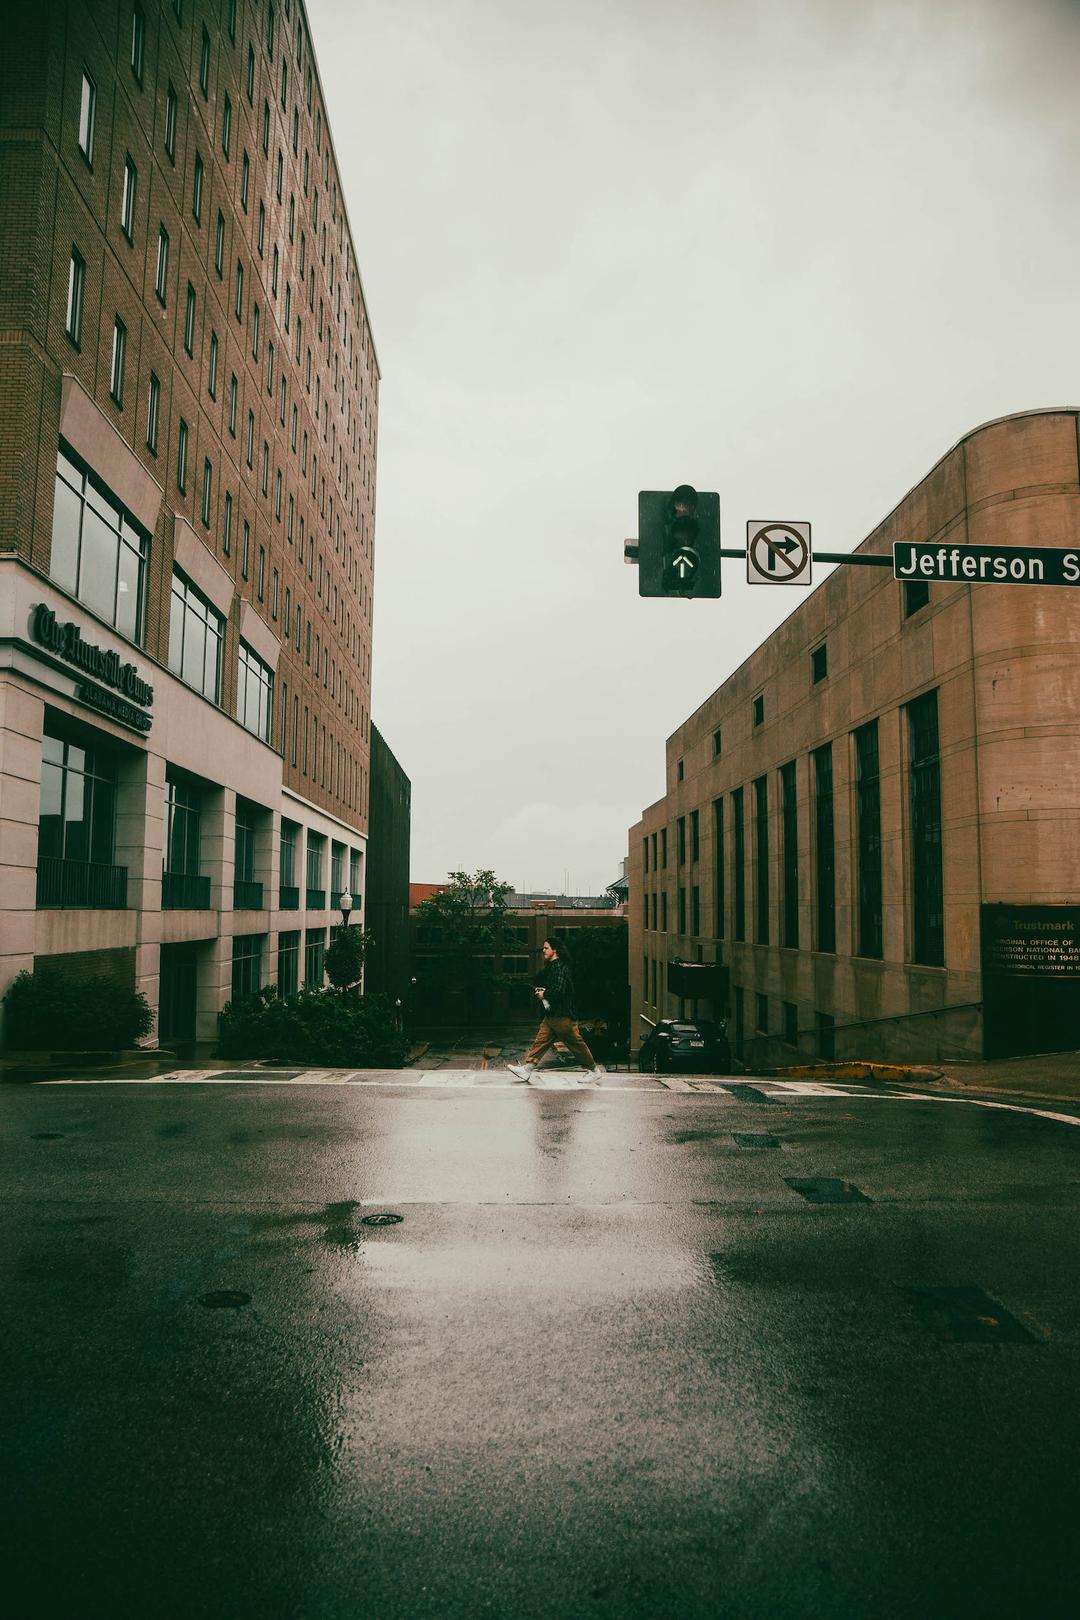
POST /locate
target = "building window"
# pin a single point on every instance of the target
(265, 468)
(138, 42)
(170, 123)
(680, 829)
(207, 482)
(762, 1013)
(682, 910)
(824, 849)
(261, 577)
(98, 553)
(790, 819)
(255, 693)
(916, 595)
(183, 836)
(738, 861)
(196, 638)
(250, 449)
(645, 855)
(868, 838)
(226, 125)
(717, 742)
(127, 200)
(219, 244)
(761, 857)
(197, 190)
(695, 910)
(76, 290)
(238, 304)
(181, 457)
(288, 960)
(211, 374)
(245, 553)
(261, 239)
(87, 117)
(116, 369)
(663, 847)
(250, 81)
(247, 965)
(759, 709)
(924, 763)
(161, 277)
(718, 868)
(245, 177)
(204, 63)
(77, 825)
(152, 403)
(315, 957)
(226, 525)
(266, 129)
(819, 663)
(233, 391)
(663, 912)
(255, 331)
(680, 770)
(274, 589)
(189, 320)
(231, 20)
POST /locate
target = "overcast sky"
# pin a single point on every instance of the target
(788, 251)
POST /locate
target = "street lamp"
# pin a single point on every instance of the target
(346, 907)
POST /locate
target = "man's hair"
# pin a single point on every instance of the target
(560, 950)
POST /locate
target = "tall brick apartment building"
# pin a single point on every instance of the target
(873, 825)
(188, 416)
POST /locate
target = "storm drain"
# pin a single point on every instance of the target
(750, 1139)
(385, 1217)
(967, 1316)
(827, 1190)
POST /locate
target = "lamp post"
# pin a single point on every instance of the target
(346, 907)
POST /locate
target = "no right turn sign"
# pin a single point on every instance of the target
(778, 553)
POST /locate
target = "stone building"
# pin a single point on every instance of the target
(386, 969)
(188, 418)
(873, 825)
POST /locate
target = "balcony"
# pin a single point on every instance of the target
(184, 891)
(288, 898)
(81, 883)
(247, 895)
(316, 899)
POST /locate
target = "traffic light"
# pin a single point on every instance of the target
(678, 542)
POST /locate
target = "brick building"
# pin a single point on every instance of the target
(874, 823)
(386, 969)
(188, 417)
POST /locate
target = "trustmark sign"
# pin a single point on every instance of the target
(990, 565)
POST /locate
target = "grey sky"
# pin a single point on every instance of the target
(787, 251)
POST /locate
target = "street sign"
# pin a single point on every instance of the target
(778, 553)
(990, 565)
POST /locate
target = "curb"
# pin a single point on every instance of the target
(883, 1072)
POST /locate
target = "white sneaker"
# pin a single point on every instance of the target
(522, 1071)
(595, 1074)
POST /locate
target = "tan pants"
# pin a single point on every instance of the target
(559, 1029)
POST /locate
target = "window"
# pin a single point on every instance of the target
(916, 595)
(116, 370)
(231, 20)
(226, 124)
(316, 846)
(819, 663)
(288, 971)
(927, 895)
(250, 82)
(680, 827)
(204, 63)
(196, 638)
(680, 771)
(196, 192)
(663, 847)
(207, 483)
(219, 244)
(824, 849)
(245, 178)
(98, 552)
(232, 404)
(695, 910)
(239, 301)
(127, 200)
(87, 117)
(695, 835)
(170, 123)
(189, 320)
(682, 911)
(76, 290)
(261, 577)
(663, 912)
(211, 374)
(718, 868)
(255, 693)
(77, 822)
(738, 861)
(790, 879)
(274, 595)
(161, 276)
(280, 174)
(226, 525)
(247, 965)
(152, 404)
(183, 830)
(315, 956)
(255, 330)
(138, 41)
(245, 553)
(266, 129)
(181, 456)
(762, 1013)
(250, 452)
(868, 836)
(761, 858)
(261, 238)
(759, 709)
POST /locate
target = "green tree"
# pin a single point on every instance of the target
(468, 914)
(600, 962)
(345, 957)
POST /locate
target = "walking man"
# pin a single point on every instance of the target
(559, 1023)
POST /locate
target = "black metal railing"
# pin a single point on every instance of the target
(288, 898)
(81, 883)
(316, 899)
(247, 895)
(184, 891)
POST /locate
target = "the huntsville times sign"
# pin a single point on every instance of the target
(990, 565)
(66, 642)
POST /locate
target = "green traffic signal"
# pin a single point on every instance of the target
(678, 542)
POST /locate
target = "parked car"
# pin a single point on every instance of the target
(682, 1046)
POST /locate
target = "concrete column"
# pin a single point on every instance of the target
(139, 841)
(22, 718)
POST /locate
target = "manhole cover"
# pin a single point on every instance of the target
(384, 1218)
(226, 1299)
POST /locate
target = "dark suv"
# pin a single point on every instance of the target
(682, 1046)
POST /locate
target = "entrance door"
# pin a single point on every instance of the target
(176, 1010)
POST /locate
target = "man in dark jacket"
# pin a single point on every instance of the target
(556, 994)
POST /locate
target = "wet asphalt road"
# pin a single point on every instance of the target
(609, 1363)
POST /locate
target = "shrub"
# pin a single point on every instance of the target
(45, 1012)
(316, 1026)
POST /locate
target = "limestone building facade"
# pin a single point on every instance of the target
(872, 826)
